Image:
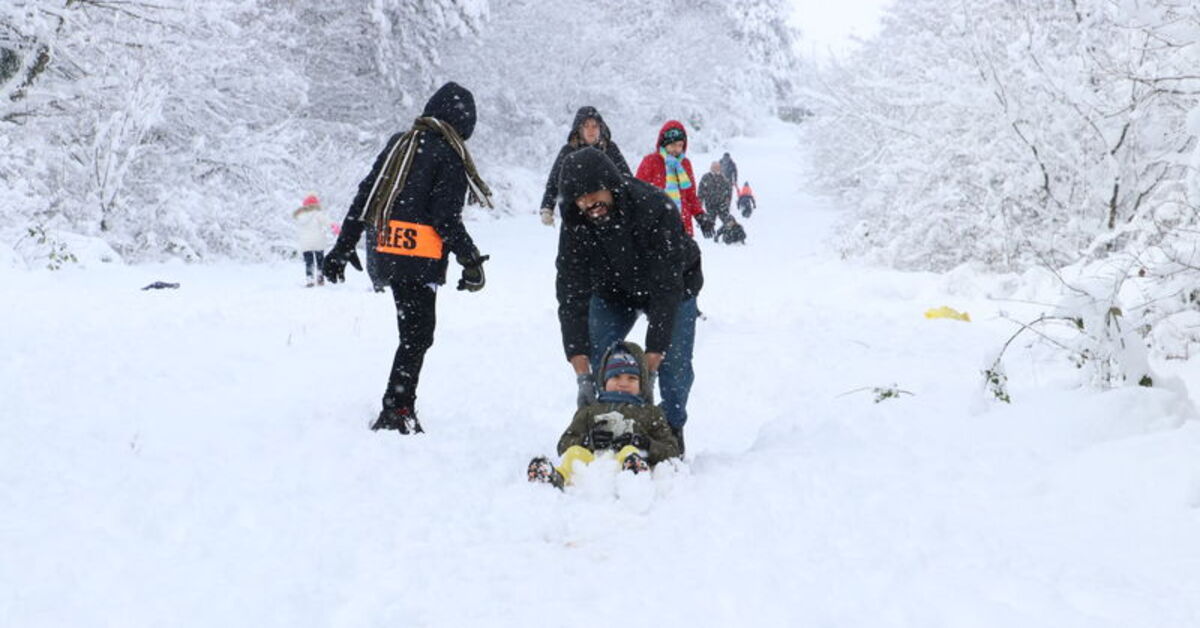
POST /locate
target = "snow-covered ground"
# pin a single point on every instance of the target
(201, 457)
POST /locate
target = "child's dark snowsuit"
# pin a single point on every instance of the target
(618, 423)
(731, 232)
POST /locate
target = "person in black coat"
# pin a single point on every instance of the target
(413, 201)
(715, 192)
(622, 251)
(729, 169)
(588, 129)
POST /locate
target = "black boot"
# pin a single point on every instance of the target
(403, 420)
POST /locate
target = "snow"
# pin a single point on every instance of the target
(201, 457)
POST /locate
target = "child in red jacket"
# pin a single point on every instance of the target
(670, 169)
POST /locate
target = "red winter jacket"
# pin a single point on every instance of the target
(653, 171)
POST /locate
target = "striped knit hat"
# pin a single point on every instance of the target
(619, 363)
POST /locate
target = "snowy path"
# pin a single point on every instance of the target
(200, 457)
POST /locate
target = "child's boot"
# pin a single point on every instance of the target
(540, 470)
(634, 462)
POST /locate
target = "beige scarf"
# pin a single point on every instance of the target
(394, 173)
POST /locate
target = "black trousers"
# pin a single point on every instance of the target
(416, 317)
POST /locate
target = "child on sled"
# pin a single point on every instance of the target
(624, 423)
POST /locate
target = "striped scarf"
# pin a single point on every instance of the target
(677, 177)
(394, 173)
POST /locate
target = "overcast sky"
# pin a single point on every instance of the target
(829, 24)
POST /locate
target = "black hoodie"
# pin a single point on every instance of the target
(433, 194)
(574, 143)
(640, 258)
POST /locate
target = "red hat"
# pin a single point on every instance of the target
(311, 199)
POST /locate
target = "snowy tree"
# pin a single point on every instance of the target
(190, 129)
(1029, 132)
(1017, 133)
(716, 66)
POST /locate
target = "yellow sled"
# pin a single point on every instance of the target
(947, 312)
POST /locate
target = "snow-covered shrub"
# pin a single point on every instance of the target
(1102, 323)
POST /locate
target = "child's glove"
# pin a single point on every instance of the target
(472, 273)
(629, 438)
(601, 439)
(587, 390)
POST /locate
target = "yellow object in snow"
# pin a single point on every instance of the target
(570, 456)
(577, 453)
(947, 312)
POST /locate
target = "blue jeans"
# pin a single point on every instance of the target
(609, 322)
(312, 263)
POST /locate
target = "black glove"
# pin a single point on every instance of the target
(472, 273)
(629, 438)
(706, 225)
(334, 267)
(600, 439)
(587, 389)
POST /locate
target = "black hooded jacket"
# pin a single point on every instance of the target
(640, 258)
(574, 143)
(729, 168)
(433, 194)
(715, 193)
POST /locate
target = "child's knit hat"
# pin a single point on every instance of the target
(619, 363)
(310, 200)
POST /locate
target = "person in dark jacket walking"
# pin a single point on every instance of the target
(413, 200)
(588, 129)
(715, 193)
(729, 170)
(621, 252)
